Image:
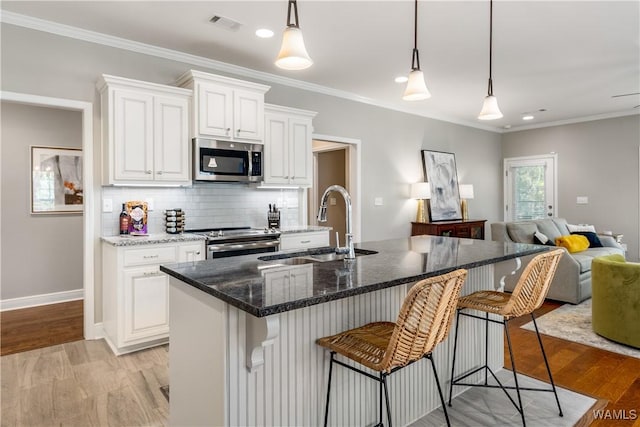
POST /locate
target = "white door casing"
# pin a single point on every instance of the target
(540, 174)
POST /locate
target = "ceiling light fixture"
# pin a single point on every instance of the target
(416, 87)
(527, 117)
(293, 55)
(490, 109)
(264, 33)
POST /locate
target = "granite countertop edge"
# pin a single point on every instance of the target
(304, 229)
(346, 293)
(150, 239)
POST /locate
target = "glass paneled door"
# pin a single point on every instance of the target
(530, 190)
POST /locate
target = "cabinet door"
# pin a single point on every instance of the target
(276, 153)
(248, 115)
(171, 139)
(146, 304)
(215, 110)
(133, 136)
(300, 155)
(191, 252)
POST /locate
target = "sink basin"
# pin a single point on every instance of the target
(332, 256)
(315, 255)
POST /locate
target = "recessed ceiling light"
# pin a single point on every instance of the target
(264, 33)
(402, 79)
(527, 117)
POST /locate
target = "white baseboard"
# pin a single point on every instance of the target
(43, 299)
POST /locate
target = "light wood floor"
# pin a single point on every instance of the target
(82, 383)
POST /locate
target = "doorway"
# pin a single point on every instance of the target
(336, 160)
(89, 224)
(530, 187)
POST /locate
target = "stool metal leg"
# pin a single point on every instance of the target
(486, 347)
(435, 375)
(453, 362)
(326, 409)
(383, 379)
(515, 375)
(546, 363)
(380, 423)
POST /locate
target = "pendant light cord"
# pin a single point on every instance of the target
(295, 11)
(490, 90)
(415, 58)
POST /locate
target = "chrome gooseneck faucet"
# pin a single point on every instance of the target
(322, 217)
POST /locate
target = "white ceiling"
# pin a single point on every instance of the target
(568, 57)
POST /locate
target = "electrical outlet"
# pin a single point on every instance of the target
(107, 205)
(378, 201)
(582, 200)
(332, 201)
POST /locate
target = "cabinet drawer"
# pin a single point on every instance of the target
(304, 240)
(149, 255)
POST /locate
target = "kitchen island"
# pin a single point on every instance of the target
(243, 331)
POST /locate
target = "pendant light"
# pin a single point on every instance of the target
(490, 109)
(416, 88)
(293, 55)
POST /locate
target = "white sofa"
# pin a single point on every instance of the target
(572, 282)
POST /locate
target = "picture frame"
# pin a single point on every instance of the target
(56, 180)
(441, 173)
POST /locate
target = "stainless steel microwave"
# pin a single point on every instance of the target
(226, 161)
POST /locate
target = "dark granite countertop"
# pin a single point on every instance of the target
(267, 284)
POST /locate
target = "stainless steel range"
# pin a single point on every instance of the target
(227, 242)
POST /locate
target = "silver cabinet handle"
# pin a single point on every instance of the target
(148, 172)
(159, 172)
(305, 241)
(198, 253)
(150, 256)
(228, 130)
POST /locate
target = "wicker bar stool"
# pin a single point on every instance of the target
(528, 294)
(385, 347)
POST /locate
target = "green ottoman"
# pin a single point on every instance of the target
(615, 297)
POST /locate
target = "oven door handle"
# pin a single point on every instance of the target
(227, 247)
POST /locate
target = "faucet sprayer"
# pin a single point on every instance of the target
(322, 217)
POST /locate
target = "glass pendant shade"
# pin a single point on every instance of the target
(293, 55)
(490, 109)
(416, 87)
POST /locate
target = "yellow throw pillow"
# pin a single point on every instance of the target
(573, 243)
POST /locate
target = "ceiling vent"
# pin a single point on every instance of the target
(225, 23)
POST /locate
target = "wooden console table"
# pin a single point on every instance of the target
(471, 228)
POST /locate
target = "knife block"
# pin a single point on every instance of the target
(273, 219)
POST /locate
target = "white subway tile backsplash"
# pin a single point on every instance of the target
(207, 205)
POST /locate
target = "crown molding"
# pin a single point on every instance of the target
(572, 121)
(174, 55)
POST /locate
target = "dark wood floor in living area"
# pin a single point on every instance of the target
(43, 326)
(581, 368)
(587, 370)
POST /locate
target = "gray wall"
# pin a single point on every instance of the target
(598, 159)
(41, 253)
(44, 64)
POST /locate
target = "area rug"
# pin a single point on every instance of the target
(573, 323)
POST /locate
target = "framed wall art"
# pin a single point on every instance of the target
(56, 180)
(441, 173)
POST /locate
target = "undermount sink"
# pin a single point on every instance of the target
(313, 255)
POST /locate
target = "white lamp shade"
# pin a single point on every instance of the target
(293, 55)
(490, 109)
(420, 190)
(416, 87)
(466, 191)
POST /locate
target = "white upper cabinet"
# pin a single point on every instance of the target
(287, 150)
(225, 108)
(145, 133)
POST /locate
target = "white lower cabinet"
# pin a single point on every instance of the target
(304, 240)
(136, 292)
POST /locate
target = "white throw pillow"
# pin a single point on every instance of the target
(581, 227)
(541, 237)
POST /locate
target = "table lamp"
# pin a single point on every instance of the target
(421, 191)
(466, 192)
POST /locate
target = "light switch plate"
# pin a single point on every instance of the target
(378, 201)
(107, 205)
(582, 200)
(332, 201)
